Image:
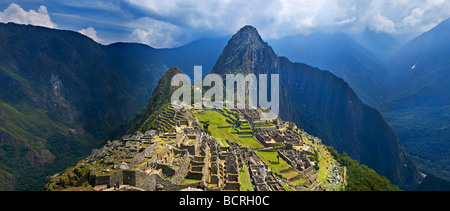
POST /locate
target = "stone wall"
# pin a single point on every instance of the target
(102, 179)
(154, 182)
(166, 170)
(285, 158)
(150, 182)
(179, 151)
(231, 185)
(189, 148)
(138, 159)
(143, 180)
(116, 177)
(150, 151)
(215, 179)
(180, 172)
(195, 175)
(308, 172)
(83, 178)
(109, 178)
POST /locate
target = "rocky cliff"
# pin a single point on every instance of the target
(322, 104)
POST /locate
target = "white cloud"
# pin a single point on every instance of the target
(345, 21)
(277, 18)
(381, 23)
(90, 32)
(15, 13)
(90, 4)
(177, 22)
(426, 16)
(157, 34)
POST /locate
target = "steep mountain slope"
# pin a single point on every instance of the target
(159, 100)
(322, 104)
(146, 64)
(62, 94)
(341, 55)
(419, 102)
(381, 44)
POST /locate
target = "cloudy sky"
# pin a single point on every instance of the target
(172, 23)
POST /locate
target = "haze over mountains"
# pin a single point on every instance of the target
(419, 103)
(343, 56)
(63, 94)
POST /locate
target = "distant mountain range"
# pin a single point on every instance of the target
(64, 94)
(343, 56)
(418, 105)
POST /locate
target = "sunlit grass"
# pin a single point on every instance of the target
(217, 121)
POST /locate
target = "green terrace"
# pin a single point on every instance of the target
(280, 167)
(166, 120)
(221, 127)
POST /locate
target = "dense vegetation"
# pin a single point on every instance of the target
(360, 177)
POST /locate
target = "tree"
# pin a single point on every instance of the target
(237, 123)
(206, 126)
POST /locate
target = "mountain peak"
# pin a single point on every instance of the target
(247, 35)
(171, 72)
(246, 52)
(248, 28)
